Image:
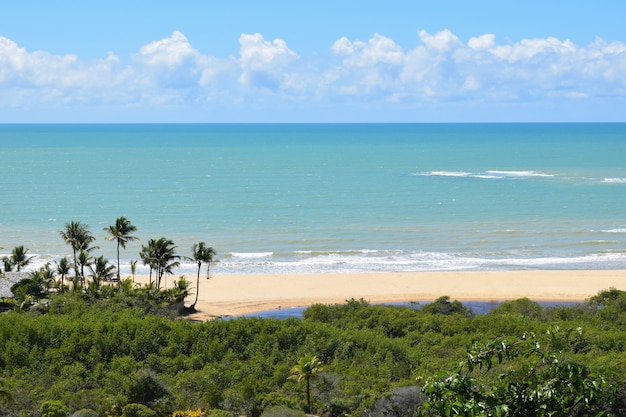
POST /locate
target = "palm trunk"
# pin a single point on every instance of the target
(75, 266)
(118, 262)
(193, 306)
(308, 395)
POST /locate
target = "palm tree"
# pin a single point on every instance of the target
(101, 269)
(18, 257)
(307, 367)
(120, 232)
(133, 268)
(201, 254)
(146, 255)
(7, 263)
(63, 268)
(161, 256)
(84, 259)
(78, 236)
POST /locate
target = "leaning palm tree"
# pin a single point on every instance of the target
(307, 367)
(120, 232)
(18, 257)
(78, 236)
(201, 254)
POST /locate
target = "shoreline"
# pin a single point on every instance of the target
(233, 295)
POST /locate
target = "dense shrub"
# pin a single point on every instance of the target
(105, 354)
(282, 411)
(138, 410)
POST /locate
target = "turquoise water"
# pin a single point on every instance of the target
(326, 198)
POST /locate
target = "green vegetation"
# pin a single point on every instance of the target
(99, 352)
(96, 349)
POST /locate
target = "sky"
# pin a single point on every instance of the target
(206, 61)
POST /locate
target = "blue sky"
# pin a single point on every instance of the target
(323, 61)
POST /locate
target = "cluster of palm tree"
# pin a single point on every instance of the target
(78, 236)
(159, 254)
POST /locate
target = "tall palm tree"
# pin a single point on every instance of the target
(18, 257)
(161, 256)
(78, 236)
(201, 254)
(307, 367)
(63, 268)
(120, 232)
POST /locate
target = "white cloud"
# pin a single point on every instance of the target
(482, 42)
(172, 51)
(443, 68)
(264, 64)
(377, 50)
(440, 68)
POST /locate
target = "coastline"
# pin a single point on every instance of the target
(229, 295)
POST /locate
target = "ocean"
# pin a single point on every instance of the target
(317, 198)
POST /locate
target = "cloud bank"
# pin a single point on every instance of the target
(440, 69)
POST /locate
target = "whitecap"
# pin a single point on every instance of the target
(616, 230)
(251, 254)
(461, 174)
(519, 173)
(614, 180)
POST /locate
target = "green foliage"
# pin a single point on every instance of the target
(53, 408)
(282, 411)
(403, 401)
(146, 388)
(85, 412)
(541, 385)
(138, 410)
(443, 305)
(523, 306)
(103, 353)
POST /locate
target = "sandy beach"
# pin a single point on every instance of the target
(227, 295)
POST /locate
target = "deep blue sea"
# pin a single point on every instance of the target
(287, 198)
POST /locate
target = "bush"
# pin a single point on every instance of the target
(53, 408)
(282, 411)
(523, 306)
(27, 286)
(85, 412)
(138, 410)
(403, 401)
(147, 387)
(442, 305)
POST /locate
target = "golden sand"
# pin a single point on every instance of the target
(227, 295)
